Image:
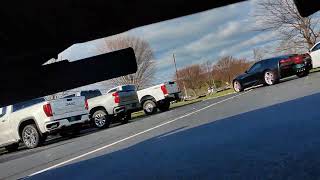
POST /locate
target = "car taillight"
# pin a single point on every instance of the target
(297, 59)
(164, 89)
(284, 61)
(116, 97)
(47, 110)
(86, 105)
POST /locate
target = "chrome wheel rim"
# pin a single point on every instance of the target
(30, 137)
(100, 120)
(269, 78)
(149, 107)
(236, 86)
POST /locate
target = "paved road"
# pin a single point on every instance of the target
(264, 133)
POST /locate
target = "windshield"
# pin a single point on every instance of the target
(165, 90)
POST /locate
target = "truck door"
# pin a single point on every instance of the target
(5, 128)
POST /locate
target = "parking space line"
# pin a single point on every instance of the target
(135, 135)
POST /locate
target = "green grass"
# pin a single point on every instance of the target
(184, 103)
(137, 114)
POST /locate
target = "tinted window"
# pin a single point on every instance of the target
(25, 104)
(129, 88)
(255, 68)
(317, 47)
(90, 94)
(3, 111)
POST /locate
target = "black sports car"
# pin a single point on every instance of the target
(270, 71)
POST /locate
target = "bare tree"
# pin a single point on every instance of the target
(258, 54)
(191, 77)
(144, 57)
(282, 16)
(227, 68)
(208, 75)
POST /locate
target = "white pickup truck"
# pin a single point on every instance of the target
(159, 97)
(32, 121)
(116, 105)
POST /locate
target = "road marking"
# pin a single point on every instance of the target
(135, 135)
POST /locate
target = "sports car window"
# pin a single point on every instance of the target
(91, 94)
(255, 68)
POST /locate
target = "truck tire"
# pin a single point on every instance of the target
(101, 119)
(126, 118)
(165, 106)
(30, 136)
(149, 107)
(12, 147)
(43, 138)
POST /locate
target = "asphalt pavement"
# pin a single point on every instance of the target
(262, 133)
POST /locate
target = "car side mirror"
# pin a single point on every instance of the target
(246, 72)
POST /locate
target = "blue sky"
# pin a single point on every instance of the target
(197, 38)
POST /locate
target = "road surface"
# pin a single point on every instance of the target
(263, 133)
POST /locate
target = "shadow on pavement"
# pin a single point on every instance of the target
(277, 142)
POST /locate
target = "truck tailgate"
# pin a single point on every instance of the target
(172, 87)
(68, 105)
(127, 97)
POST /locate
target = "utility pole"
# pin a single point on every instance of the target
(175, 65)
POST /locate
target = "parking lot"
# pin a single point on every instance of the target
(270, 131)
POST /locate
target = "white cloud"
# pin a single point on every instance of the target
(255, 41)
(195, 38)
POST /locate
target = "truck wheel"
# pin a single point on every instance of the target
(126, 118)
(149, 107)
(12, 147)
(164, 106)
(101, 119)
(43, 138)
(30, 136)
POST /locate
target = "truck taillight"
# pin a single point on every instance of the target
(164, 89)
(86, 105)
(47, 110)
(116, 97)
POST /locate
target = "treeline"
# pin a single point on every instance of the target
(196, 79)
